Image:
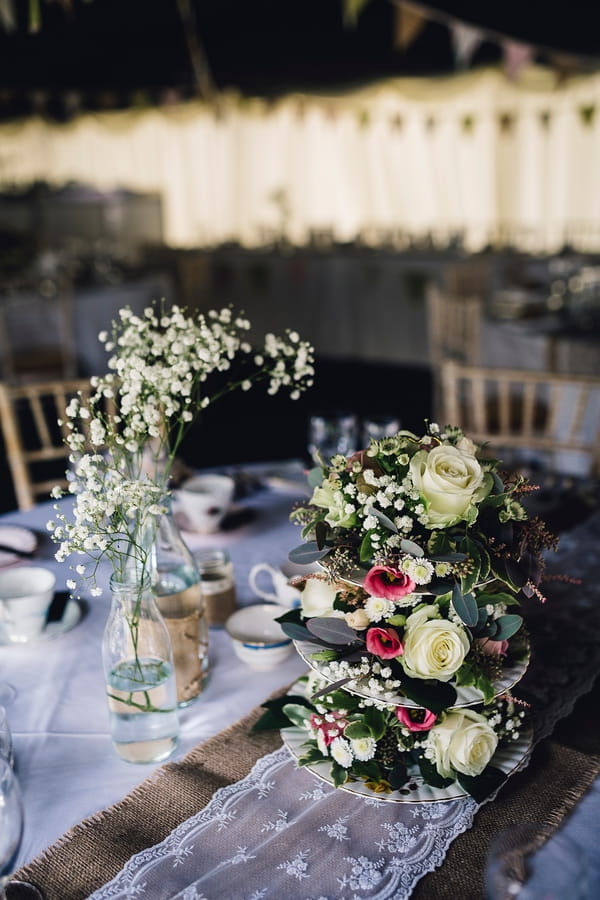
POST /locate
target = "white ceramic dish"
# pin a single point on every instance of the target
(508, 759)
(257, 638)
(22, 539)
(71, 616)
(25, 596)
(465, 696)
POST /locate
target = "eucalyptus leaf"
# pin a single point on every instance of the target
(329, 688)
(314, 476)
(308, 553)
(298, 632)
(410, 547)
(465, 606)
(332, 630)
(448, 557)
(507, 626)
(382, 519)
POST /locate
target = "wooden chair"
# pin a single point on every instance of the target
(453, 331)
(33, 439)
(550, 417)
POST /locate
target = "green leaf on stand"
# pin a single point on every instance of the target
(399, 620)
(298, 632)
(383, 519)
(370, 769)
(398, 776)
(324, 656)
(321, 534)
(480, 787)
(375, 719)
(507, 626)
(274, 718)
(356, 730)
(292, 615)
(431, 774)
(332, 630)
(312, 755)
(433, 695)
(329, 688)
(465, 606)
(366, 550)
(338, 774)
(308, 553)
(410, 547)
(314, 476)
(297, 713)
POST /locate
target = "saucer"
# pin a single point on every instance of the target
(72, 615)
(22, 539)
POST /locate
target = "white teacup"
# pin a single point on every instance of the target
(204, 501)
(280, 590)
(258, 640)
(25, 595)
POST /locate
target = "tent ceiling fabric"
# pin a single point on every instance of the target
(259, 46)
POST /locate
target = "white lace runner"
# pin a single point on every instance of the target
(280, 832)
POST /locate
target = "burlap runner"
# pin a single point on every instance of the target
(96, 849)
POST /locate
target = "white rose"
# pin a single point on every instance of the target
(340, 513)
(317, 598)
(433, 647)
(450, 481)
(462, 741)
(358, 619)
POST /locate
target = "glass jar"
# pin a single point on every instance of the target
(140, 677)
(176, 586)
(217, 583)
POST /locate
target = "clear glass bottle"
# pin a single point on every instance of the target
(217, 583)
(140, 676)
(176, 587)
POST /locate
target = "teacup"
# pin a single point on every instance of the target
(204, 501)
(257, 638)
(281, 591)
(25, 595)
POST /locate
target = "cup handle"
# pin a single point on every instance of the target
(254, 571)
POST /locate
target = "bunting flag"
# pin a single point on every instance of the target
(8, 18)
(409, 22)
(516, 56)
(465, 41)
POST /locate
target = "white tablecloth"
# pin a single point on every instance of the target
(65, 761)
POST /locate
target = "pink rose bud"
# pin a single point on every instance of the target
(416, 719)
(387, 582)
(384, 643)
(493, 648)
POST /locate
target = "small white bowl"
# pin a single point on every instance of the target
(257, 638)
(25, 595)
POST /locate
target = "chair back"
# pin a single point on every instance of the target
(33, 439)
(553, 418)
(37, 332)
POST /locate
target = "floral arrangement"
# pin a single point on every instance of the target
(159, 365)
(424, 550)
(389, 747)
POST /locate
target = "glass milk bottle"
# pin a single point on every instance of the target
(176, 587)
(140, 680)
